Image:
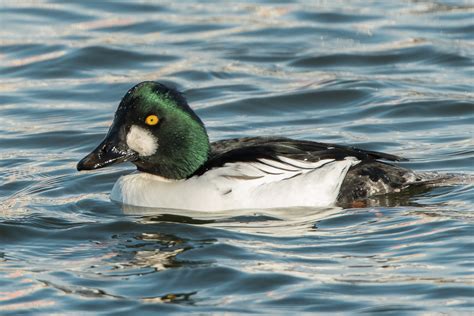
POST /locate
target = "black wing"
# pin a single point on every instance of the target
(253, 148)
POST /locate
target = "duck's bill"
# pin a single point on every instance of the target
(106, 154)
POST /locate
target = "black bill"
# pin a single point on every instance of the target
(109, 152)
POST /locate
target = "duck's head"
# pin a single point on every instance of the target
(155, 129)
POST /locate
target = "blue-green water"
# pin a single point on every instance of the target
(392, 76)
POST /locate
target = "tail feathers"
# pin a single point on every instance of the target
(435, 179)
(378, 183)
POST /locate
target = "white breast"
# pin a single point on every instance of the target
(262, 184)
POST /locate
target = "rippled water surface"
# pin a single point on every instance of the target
(392, 76)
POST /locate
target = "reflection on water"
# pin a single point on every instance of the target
(387, 76)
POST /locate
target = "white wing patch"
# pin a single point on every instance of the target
(142, 141)
(287, 182)
(266, 170)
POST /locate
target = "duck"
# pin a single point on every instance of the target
(155, 129)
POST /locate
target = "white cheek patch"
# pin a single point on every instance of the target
(142, 141)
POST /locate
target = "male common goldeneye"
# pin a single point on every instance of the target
(178, 168)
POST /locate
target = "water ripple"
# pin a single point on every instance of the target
(389, 76)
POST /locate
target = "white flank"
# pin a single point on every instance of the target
(142, 141)
(263, 184)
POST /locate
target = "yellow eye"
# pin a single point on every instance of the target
(151, 120)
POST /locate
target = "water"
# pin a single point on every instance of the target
(392, 76)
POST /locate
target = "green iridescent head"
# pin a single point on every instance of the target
(155, 129)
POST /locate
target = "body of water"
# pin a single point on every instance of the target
(391, 76)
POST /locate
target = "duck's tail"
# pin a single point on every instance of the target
(391, 185)
(437, 179)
